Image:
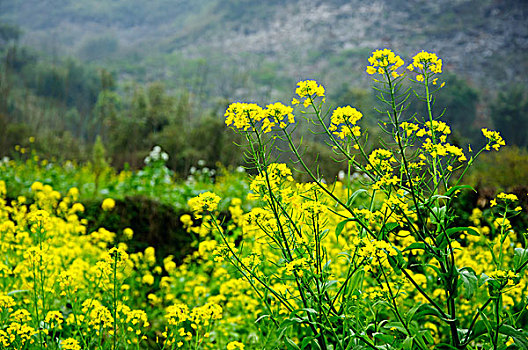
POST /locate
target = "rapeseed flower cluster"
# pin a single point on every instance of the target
(274, 176)
(205, 202)
(384, 62)
(300, 263)
(243, 115)
(426, 64)
(308, 91)
(394, 249)
(246, 116)
(343, 122)
(495, 141)
(83, 288)
(381, 160)
(277, 114)
(108, 204)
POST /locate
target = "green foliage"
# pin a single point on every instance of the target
(99, 162)
(459, 100)
(457, 103)
(156, 224)
(98, 48)
(9, 33)
(154, 180)
(502, 171)
(431, 280)
(509, 112)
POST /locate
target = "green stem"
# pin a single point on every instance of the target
(114, 309)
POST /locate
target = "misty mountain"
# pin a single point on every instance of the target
(245, 47)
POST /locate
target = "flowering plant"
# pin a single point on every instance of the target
(395, 272)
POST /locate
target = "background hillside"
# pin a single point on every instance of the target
(485, 40)
(201, 54)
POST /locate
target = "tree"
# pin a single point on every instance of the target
(9, 33)
(509, 112)
(99, 161)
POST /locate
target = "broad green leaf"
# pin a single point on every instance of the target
(307, 343)
(410, 314)
(519, 336)
(387, 228)
(520, 257)
(469, 230)
(340, 226)
(437, 215)
(458, 188)
(478, 330)
(468, 278)
(385, 338)
(407, 343)
(416, 245)
(355, 282)
(427, 309)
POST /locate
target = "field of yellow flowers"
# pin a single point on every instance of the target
(369, 263)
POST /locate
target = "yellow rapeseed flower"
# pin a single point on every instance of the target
(205, 202)
(426, 62)
(70, 344)
(277, 114)
(108, 204)
(128, 233)
(384, 61)
(243, 115)
(495, 141)
(308, 90)
(343, 122)
(235, 345)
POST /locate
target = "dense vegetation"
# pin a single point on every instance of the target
(65, 81)
(398, 256)
(130, 218)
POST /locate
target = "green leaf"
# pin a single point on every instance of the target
(396, 262)
(468, 278)
(427, 309)
(309, 310)
(388, 228)
(479, 329)
(437, 196)
(469, 230)
(519, 336)
(437, 214)
(341, 226)
(427, 336)
(18, 291)
(291, 344)
(329, 284)
(324, 233)
(353, 196)
(384, 338)
(458, 188)
(410, 314)
(261, 318)
(520, 257)
(356, 281)
(419, 339)
(306, 342)
(396, 325)
(416, 245)
(326, 266)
